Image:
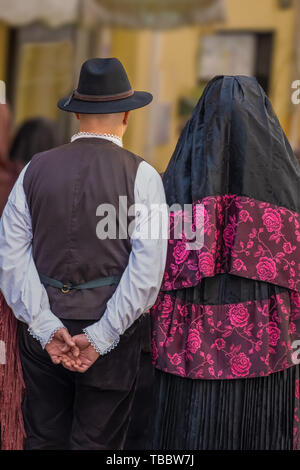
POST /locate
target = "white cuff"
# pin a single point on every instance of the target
(44, 326)
(101, 340)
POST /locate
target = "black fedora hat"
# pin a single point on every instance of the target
(103, 88)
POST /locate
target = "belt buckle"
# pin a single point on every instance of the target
(65, 289)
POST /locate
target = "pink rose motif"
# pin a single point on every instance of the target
(297, 389)
(292, 328)
(175, 359)
(240, 365)
(273, 332)
(238, 264)
(194, 341)
(180, 253)
(192, 266)
(166, 305)
(287, 248)
(266, 269)
(244, 215)
(228, 235)
(154, 351)
(206, 218)
(220, 343)
(183, 310)
(272, 220)
(206, 264)
(296, 298)
(238, 315)
(174, 269)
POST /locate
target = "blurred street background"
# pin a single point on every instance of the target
(171, 48)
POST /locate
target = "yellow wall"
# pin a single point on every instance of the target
(175, 70)
(178, 77)
(264, 15)
(177, 66)
(45, 75)
(3, 50)
(133, 49)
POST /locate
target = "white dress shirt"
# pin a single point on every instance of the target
(139, 284)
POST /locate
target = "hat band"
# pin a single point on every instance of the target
(117, 96)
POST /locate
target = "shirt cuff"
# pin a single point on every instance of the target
(44, 327)
(102, 339)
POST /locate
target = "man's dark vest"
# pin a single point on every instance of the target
(64, 186)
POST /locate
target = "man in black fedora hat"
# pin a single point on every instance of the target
(78, 274)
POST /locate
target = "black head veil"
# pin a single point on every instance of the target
(233, 144)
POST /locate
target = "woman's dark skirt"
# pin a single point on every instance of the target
(240, 414)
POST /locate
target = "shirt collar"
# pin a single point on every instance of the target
(113, 138)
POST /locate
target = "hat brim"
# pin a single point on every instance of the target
(139, 99)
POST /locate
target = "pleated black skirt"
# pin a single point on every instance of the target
(240, 414)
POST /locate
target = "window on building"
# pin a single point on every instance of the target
(236, 53)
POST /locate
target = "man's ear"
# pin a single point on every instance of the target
(126, 118)
(77, 116)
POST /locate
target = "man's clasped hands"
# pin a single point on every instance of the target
(74, 353)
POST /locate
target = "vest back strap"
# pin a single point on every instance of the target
(67, 286)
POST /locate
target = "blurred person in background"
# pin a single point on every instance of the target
(33, 136)
(228, 314)
(7, 171)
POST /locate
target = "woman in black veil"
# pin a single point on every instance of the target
(226, 323)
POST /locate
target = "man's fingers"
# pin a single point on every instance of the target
(66, 348)
(66, 366)
(74, 367)
(83, 368)
(71, 357)
(66, 337)
(75, 351)
(55, 359)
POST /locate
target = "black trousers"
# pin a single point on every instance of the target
(70, 410)
(139, 432)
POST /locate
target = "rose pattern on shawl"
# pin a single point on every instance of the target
(180, 253)
(175, 359)
(167, 306)
(220, 343)
(194, 341)
(206, 264)
(248, 339)
(238, 265)
(272, 220)
(238, 315)
(266, 269)
(242, 236)
(240, 365)
(296, 298)
(274, 333)
(229, 234)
